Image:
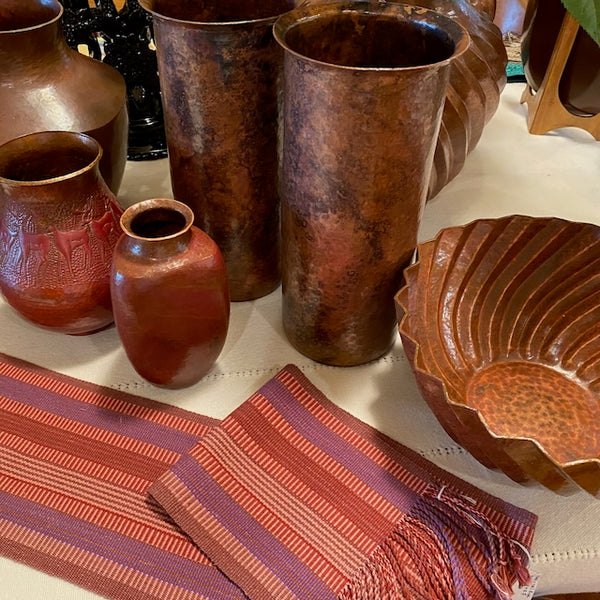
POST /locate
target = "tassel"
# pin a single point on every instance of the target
(444, 549)
(411, 564)
(506, 556)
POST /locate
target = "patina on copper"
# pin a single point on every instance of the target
(219, 68)
(477, 79)
(364, 89)
(59, 223)
(45, 85)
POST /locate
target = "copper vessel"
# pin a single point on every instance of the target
(477, 79)
(499, 319)
(59, 223)
(219, 69)
(364, 89)
(45, 85)
(169, 293)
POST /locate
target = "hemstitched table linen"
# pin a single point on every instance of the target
(76, 461)
(294, 498)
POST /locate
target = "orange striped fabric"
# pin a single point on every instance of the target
(291, 497)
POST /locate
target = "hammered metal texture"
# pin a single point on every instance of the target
(501, 322)
(363, 97)
(219, 69)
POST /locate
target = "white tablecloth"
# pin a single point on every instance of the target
(510, 172)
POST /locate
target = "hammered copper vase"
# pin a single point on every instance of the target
(364, 89)
(59, 223)
(45, 85)
(219, 68)
(170, 294)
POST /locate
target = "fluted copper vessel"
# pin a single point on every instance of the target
(219, 68)
(499, 319)
(477, 79)
(364, 88)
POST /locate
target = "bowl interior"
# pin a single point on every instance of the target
(508, 317)
(533, 400)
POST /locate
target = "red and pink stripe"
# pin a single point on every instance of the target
(292, 497)
(76, 461)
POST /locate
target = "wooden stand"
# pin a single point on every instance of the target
(545, 109)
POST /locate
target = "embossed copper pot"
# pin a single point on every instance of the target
(45, 85)
(219, 68)
(364, 89)
(59, 223)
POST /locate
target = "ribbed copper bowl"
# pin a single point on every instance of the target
(501, 322)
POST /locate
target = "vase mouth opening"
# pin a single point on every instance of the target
(17, 16)
(371, 36)
(157, 219)
(47, 157)
(218, 12)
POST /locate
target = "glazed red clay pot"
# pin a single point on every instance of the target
(59, 223)
(170, 294)
(47, 86)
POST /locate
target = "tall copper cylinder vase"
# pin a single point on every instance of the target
(219, 68)
(364, 88)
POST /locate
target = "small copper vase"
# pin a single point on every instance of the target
(170, 294)
(59, 223)
(364, 89)
(47, 86)
(219, 68)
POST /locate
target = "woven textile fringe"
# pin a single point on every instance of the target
(295, 499)
(421, 558)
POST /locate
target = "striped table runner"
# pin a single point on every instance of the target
(76, 461)
(293, 498)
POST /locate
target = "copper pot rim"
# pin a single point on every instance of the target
(53, 4)
(87, 139)
(308, 11)
(167, 204)
(269, 20)
(404, 328)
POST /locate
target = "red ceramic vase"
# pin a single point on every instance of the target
(59, 223)
(170, 294)
(45, 85)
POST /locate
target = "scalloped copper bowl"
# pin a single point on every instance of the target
(500, 320)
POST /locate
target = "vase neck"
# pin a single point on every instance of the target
(32, 52)
(160, 248)
(70, 191)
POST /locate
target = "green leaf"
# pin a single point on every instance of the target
(587, 14)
